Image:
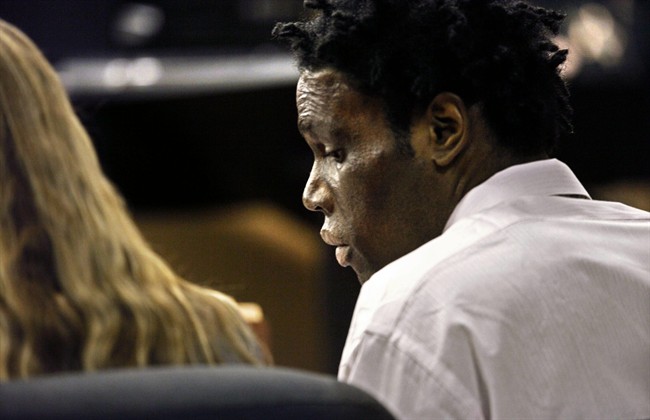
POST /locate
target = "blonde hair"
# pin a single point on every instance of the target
(80, 289)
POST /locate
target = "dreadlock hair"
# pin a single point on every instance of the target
(497, 53)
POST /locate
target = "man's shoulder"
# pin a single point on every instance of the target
(507, 253)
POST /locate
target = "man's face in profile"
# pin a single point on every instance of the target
(377, 200)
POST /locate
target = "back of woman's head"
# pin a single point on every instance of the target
(79, 287)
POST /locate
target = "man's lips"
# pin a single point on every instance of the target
(330, 239)
(342, 249)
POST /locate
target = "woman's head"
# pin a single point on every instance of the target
(79, 287)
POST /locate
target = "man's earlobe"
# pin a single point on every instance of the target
(447, 117)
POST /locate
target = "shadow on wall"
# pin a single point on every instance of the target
(258, 253)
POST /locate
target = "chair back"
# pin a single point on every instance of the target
(197, 392)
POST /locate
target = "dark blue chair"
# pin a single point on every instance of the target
(198, 392)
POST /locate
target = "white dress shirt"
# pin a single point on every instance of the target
(531, 304)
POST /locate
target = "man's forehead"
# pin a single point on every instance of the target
(316, 92)
(326, 97)
(324, 81)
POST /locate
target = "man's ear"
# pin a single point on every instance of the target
(448, 128)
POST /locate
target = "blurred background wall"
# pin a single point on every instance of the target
(191, 107)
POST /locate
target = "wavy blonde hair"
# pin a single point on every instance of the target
(80, 289)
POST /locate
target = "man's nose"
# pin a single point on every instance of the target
(317, 196)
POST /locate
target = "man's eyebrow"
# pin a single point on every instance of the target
(341, 134)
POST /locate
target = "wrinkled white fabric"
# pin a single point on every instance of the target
(529, 305)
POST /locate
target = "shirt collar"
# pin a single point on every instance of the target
(542, 177)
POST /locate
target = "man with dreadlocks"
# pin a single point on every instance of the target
(493, 286)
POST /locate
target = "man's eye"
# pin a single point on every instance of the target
(337, 155)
